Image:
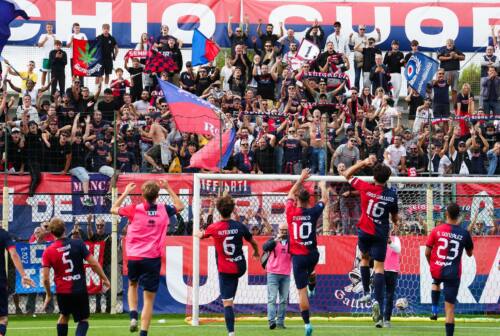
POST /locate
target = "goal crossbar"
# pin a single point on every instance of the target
(196, 206)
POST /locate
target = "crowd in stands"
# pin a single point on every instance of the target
(289, 113)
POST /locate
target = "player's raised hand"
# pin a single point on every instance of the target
(130, 187)
(306, 173)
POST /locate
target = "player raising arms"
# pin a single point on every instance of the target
(7, 244)
(66, 257)
(228, 237)
(144, 244)
(301, 219)
(445, 246)
(377, 202)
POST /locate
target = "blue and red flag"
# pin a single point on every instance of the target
(191, 113)
(419, 71)
(214, 155)
(204, 49)
(87, 58)
(10, 10)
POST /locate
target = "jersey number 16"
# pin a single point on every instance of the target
(375, 210)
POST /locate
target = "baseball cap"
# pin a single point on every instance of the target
(15, 129)
(395, 42)
(188, 64)
(108, 91)
(337, 24)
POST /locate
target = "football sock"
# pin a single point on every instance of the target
(81, 328)
(435, 301)
(305, 316)
(62, 330)
(3, 329)
(365, 278)
(379, 284)
(229, 317)
(143, 333)
(450, 329)
(134, 315)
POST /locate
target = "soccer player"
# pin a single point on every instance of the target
(445, 246)
(377, 202)
(392, 267)
(66, 257)
(228, 237)
(6, 243)
(301, 218)
(144, 243)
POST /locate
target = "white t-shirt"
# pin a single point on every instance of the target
(225, 73)
(79, 36)
(421, 117)
(32, 112)
(48, 46)
(395, 155)
(340, 43)
(141, 106)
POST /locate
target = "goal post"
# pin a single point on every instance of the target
(427, 195)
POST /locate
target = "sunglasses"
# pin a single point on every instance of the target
(244, 145)
(362, 29)
(291, 132)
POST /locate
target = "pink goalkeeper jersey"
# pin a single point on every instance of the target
(392, 262)
(147, 230)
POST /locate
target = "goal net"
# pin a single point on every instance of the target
(260, 204)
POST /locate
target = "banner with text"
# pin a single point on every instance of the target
(31, 258)
(338, 280)
(429, 22)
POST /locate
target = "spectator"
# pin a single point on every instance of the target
(340, 42)
(187, 79)
(347, 153)
(423, 115)
(278, 267)
(136, 78)
(75, 35)
(34, 149)
(125, 159)
(47, 42)
(379, 75)
(368, 53)
(287, 41)
(109, 51)
(395, 156)
(172, 50)
(315, 34)
(441, 98)
(108, 106)
(414, 101)
(157, 134)
(26, 76)
(490, 92)
(293, 147)
(244, 159)
(27, 110)
(264, 155)
(161, 41)
(29, 90)
(79, 152)
(100, 154)
(239, 36)
(268, 35)
(416, 160)
(494, 160)
(394, 60)
(350, 204)
(57, 60)
(361, 39)
(118, 87)
(450, 58)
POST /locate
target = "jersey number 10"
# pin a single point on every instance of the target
(302, 231)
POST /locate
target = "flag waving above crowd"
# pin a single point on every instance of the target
(204, 49)
(87, 58)
(9, 10)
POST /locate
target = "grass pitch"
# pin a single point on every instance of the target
(106, 325)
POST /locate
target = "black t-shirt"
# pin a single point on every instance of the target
(108, 109)
(33, 146)
(125, 161)
(265, 86)
(265, 159)
(78, 154)
(273, 38)
(100, 156)
(137, 79)
(86, 106)
(58, 161)
(108, 44)
(415, 102)
(202, 84)
(187, 79)
(464, 102)
(292, 150)
(369, 58)
(15, 154)
(449, 65)
(393, 61)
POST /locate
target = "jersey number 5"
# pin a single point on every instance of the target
(375, 210)
(444, 245)
(229, 248)
(67, 260)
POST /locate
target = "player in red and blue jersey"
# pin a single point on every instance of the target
(301, 218)
(378, 203)
(228, 236)
(66, 257)
(6, 243)
(445, 246)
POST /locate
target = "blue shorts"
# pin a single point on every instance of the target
(146, 272)
(450, 289)
(228, 284)
(303, 266)
(4, 305)
(375, 246)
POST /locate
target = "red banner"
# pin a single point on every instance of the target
(94, 283)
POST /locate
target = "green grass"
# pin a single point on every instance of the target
(105, 325)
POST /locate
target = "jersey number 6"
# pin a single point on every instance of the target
(229, 248)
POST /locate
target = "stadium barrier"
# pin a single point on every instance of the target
(188, 285)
